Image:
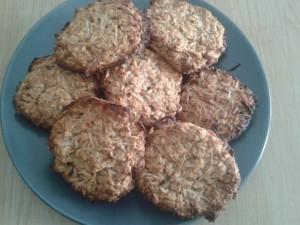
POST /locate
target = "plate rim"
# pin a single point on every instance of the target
(49, 14)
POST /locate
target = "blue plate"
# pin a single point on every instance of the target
(27, 145)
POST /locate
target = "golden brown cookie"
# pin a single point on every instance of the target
(101, 35)
(188, 171)
(47, 89)
(147, 85)
(96, 145)
(189, 37)
(216, 100)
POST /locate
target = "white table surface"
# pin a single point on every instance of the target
(272, 194)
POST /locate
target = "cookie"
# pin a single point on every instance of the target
(147, 85)
(96, 144)
(100, 36)
(188, 171)
(47, 89)
(216, 100)
(188, 37)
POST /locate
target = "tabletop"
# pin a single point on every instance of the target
(272, 194)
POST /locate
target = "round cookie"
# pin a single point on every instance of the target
(100, 36)
(47, 89)
(147, 85)
(188, 37)
(216, 100)
(96, 145)
(188, 171)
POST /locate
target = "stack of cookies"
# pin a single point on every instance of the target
(131, 99)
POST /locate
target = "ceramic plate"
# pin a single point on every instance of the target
(27, 145)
